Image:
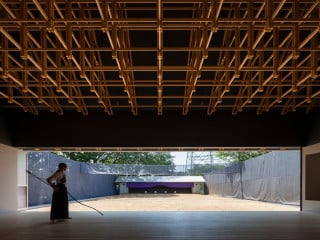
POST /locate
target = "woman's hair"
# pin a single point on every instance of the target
(62, 165)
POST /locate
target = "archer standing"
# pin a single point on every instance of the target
(59, 204)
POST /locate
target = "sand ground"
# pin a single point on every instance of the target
(174, 202)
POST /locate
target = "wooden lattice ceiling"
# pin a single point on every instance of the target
(159, 55)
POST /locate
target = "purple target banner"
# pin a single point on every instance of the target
(159, 184)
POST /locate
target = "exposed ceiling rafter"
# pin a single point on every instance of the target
(159, 55)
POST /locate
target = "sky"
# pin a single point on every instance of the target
(180, 158)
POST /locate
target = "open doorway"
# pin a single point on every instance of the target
(270, 180)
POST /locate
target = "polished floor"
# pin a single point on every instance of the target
(132, 225)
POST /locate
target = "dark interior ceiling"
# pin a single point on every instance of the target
(159, 56)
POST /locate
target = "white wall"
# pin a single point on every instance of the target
(123, 188)
(12, 178)
(22, 187)
(308, 205)
(8, 178)
(22, 166)
(197, 187)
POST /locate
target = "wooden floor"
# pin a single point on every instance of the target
(163, 225)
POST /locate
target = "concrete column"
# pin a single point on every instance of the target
(13, 187)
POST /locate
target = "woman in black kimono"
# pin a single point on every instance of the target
(59, 204)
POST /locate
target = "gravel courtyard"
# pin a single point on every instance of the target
(174, 202)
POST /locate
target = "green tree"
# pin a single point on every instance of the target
(235, 156)
(95, 157)
(143, 158)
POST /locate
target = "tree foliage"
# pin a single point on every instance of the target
(234, 156)
(143, 158)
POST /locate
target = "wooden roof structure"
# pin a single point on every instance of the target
(159, 56)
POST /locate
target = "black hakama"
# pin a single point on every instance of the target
(60, 204)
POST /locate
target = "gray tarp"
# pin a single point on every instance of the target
(273, 177)
(80, 185)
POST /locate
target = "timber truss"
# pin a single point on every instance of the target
(159, 55)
